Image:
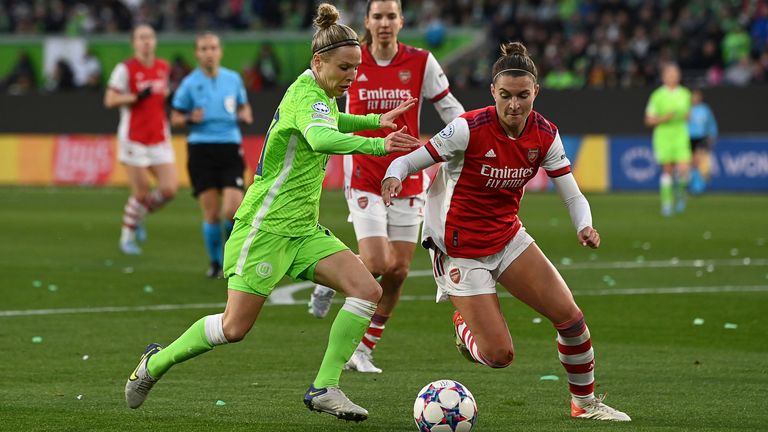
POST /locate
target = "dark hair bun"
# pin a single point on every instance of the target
(514, 48)
(327, 15)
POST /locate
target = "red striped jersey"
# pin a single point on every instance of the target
(144, 122)
(413, 72)
(472, 205)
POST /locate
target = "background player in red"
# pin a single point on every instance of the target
(139, 87)
(390, 73)
(476, 238)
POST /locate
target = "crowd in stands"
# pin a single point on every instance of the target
(576, 43)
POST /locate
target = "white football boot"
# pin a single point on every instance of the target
(362, 361)
(320, 301)
(140, 382)
(333, 401)
(595, 409)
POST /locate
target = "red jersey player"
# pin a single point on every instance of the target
(476, 239)
(390, 73)
(139, 87)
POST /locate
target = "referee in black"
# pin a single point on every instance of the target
(211, 100)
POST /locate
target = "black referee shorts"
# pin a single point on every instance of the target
(214, 166)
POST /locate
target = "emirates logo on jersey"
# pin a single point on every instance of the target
(455, 275)
(405, 76)
(362, 202)
(533, 154)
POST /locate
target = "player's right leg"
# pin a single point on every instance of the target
(135, 209)
(481, 327)
(210, 206)
(343, 271)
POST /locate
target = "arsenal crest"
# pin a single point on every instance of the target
(533, 154)
(362, 202)
(405, 76)
(455, 275)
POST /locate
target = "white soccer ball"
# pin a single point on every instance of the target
(445, 406)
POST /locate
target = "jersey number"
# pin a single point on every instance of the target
(266, 139)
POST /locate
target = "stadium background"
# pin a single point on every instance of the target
(598, 61)
(676, 305)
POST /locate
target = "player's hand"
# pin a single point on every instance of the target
(144, 93)
(390, 187)
(245, 116)
(196, 116)
(589, 237)
(400, 141)
(387, 120)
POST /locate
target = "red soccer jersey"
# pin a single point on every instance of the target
(413, 72)
(143, 122)
(472, 206)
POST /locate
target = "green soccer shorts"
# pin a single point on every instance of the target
(255, 261)
(672, 150)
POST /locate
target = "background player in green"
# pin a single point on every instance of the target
(667, 112)
(276, 231)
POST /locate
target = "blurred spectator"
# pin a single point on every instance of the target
(265, 70)
(268, 66)
(22, 78)
(88, 72)
(612, 42)
(561, 78)
(179, 69)
(63, 78)
(739, 73)
(736, 45)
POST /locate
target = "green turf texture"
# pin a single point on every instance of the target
(666, 373)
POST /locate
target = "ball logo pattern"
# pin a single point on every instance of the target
(445, 406)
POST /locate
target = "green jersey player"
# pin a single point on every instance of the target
(276, 230)
(667, 112)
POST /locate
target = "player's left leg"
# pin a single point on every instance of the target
(241, 312)
(210, 206)
(533, 279)
(682, 172)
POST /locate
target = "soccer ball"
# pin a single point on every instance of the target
(445, 406)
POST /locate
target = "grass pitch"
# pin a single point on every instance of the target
(67, 293)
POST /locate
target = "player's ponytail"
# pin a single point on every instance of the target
(515, 61)
(330, 35)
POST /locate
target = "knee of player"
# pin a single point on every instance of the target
(235, 333)
(168, 192)
(376, 265)
(500, 357)
(371, 291)
(398, 271)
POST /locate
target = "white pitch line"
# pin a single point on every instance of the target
(577, 293)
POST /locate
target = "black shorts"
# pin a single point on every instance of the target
(215, 166)
(699, 143)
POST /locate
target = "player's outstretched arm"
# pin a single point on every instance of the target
(401, 168)
(578, 208)
(387, 119)
(330, 141)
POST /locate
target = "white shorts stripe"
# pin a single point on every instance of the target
(290, 152)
